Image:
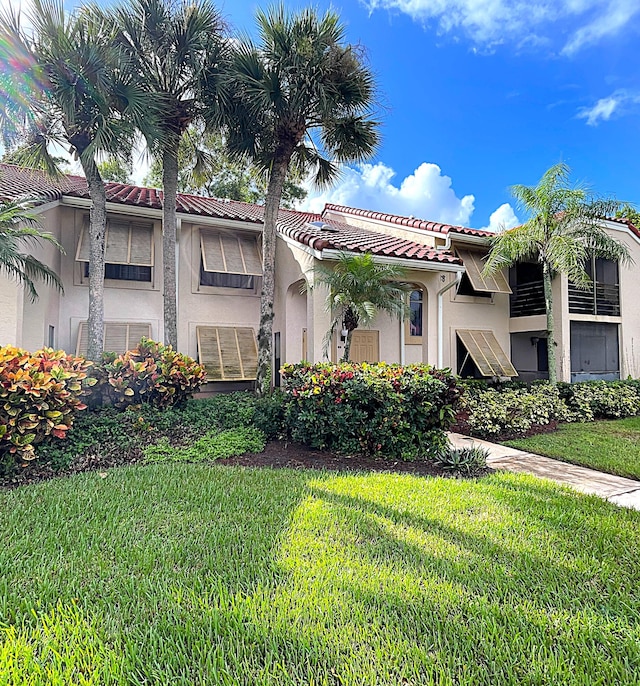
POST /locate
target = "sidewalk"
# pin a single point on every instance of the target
(615, 489)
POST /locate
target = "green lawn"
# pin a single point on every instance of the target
(612, 447)
(196, 574)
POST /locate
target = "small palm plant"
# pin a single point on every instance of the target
(359, 288)
(563, 231)
(19, 231)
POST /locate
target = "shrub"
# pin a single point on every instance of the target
(589, 400)
(508, 411)
(394, 411)
(40, 392)
(269, 414)
(152, 373)
(466, 461)
(212, 446)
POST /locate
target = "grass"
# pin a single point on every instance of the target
(195, 574)
(611, 446)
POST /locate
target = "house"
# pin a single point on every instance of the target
(477, 326)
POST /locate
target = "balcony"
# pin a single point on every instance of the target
(599, 299)
(527, 299)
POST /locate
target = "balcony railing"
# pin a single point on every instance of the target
(600, 298)
(527, 299)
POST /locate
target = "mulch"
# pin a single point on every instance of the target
(276, 455)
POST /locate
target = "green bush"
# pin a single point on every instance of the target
(590, 400)
(151, 373)
(466, 461)
(370, 409)
(109, 432)
(269, 414)
(511, 410)
(212, 446)
(40, 393)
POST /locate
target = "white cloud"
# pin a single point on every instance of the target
(426, 193)
(524, 22)
(503, 218)
(604, 108)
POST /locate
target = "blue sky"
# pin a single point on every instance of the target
(491, 92)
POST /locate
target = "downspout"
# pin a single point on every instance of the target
(402, 354)
(441, 292)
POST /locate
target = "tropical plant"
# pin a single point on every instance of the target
(19, 229)
(563, 231)
(630, 213)
(64, 82)
(206, 168)
(116, 170)
(359, 288)
(302, 98)
(172, 45)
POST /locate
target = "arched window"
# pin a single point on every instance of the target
(416, 324)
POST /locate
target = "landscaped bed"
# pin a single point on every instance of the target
(609, 446)
(193, 574)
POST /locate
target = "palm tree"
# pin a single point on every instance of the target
(65, 83)
(302, 99)
(359, 288)
(564, 230)
(19, 230)
(173, 44)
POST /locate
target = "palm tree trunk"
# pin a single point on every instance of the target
(265, 332)
(548, 301)
(347, 346)
(97, 227)
(169, 227)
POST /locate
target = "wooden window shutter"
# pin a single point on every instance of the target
(118, 336)
(82, 252)
(228, 353)
(486, 352)
(232, 255)
(141, 245)
(211, 248)
(474, 264)
(252, 258)
(117, 242)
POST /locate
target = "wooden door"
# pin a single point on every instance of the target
(365, 346)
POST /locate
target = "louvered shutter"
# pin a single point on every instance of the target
(228, 353)
(125, 243)
(117, 243)
(252, 258)
(82, 253)
(141, 245)
(474, 264)
(485, 351)
(228, 254)
(118, 336)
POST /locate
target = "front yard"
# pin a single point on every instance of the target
(609, 446)
(193, 574)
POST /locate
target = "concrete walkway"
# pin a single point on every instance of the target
(615, 489)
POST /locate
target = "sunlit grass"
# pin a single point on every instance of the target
(188, 574)
(612, 446)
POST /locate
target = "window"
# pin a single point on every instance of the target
(51, 341)
(128, 250)
(482, 348)
(229, 260)
(527, 297)
(415, 316)
(602, 297)
(465, 288)
(118, 336)
(228, 353)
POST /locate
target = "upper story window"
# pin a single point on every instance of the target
(527, 297)
(128, 253)
(415, 315)
(229, 260)
(602, 297)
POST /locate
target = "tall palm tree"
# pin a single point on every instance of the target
(302, 98)
(19, 231)
(359, 288)
(563, 231)
(173, 44)
(64, 82)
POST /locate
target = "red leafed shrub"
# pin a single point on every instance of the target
(39, 394)
(150, 373)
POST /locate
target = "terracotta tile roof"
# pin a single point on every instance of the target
(411, 222)
(294, 224)
(628, 223)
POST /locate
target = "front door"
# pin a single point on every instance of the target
(365, 346)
